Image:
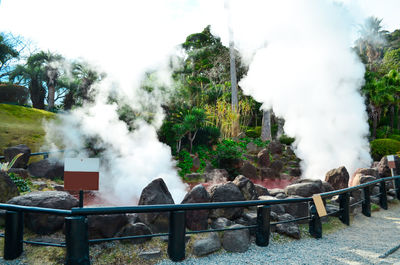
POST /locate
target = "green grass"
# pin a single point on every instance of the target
(21, 125)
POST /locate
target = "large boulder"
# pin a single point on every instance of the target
(305, 189)
(236, 240)
(216, 176)
(246, 187)
(383, 167)
(8, 189)
(207, 245)
(338, 178)
(197, 220)
(156, 193)
(297, 210)
(268, 173)
(137, 229)
(263, 158)
(11, 152)
(50, 168)
(261, 190)
(289, 229)
(45, 223)
(249, 171)
(220, 223)
(225, 193)
(275, 148)
(361, 179)
(105, 226)
(277, 166)
(276, 208)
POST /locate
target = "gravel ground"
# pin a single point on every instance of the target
(361, 243)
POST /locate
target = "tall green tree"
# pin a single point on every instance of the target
(8, 53)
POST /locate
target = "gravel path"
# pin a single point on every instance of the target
(361, 243)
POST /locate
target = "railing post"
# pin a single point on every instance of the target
(366, 204)
(176, 238)
(263, 225)
(14, 235)
(397, 187)
(76, 237)
(344, 204)
(382, 195)
(314, 225)
(45, 155)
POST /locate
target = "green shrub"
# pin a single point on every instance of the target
(382, 132)
(284, 139)
(207, 135)
(252, 133)
(384, 147)
(22, 184)
(394, 137)
(228, 156)
(15, 94)
(185, 163)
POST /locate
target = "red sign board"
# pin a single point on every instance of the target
(81, 174)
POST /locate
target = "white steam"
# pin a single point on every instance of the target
(307, 73)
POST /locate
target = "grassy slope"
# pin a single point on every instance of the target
(21, 125)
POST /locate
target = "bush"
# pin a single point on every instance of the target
(384, 147)
(394, 137)
(21, 183)
(13, 94)
(382, 132)
(284, 139)
(207, 136)
(228, 156)
(185, 163)
(254, 132)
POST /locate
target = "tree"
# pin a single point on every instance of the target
(7, 53)
(266, 126)
(391, 61)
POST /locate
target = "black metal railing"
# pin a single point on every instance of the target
(76, 224)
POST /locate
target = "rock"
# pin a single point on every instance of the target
(137, 229)
(326, 186)
(8, 189)
(330, 209)
(275, 147)
(277, 166)
(338, 178)
(261, 190)
(196, 163)
(249, 171)
(150, 254)
(281, 196)
(197, 220)
(40, 185)
(367, 171)
(252, 158)
(252, 148)
(45, 223)
(50, 168)
(289, 229)
(297, 210)
(246, 187)
(305, 189)
(225, 193)
(21, 172)
(274, 192)
(268, 173)
(250, 218)
(220, 223)
(361, 179)
(194, 176)
(58, 187)
(277, 208)
(11, 152)
(105, 226)
(207, 245)
(236, 240)
(263, 158)
(383, 168)
(216, 176)
(295, 172)
(156, 193)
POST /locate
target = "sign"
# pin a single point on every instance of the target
(319, 204)
(391, 162)
(81, 174)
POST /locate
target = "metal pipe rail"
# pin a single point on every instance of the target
(76, 226)
(44, 154)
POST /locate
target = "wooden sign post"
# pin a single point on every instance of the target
(81, 174)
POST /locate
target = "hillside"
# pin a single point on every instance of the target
(22, 125)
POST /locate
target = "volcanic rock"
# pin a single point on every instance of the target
(261, 190)
(47, 168)
(220, 223)
(236, 240)
(249, 171)
(295, 172)
(8, 189)
(274, 192)
(252, 148)
(296, 209)
(277, 166)
(289, 229)
(156, 193)
(326, 186)
(207, 245)
(150, 254)
(268, 173)
(361, 179)
(276, 208)
(383, 167)
(196, 163)
(338, 178)
(263, 158)
(216, 176)
(11, 152)
(105, 226)
(225, 193)
(137, 229)
(197, 220)
(305, 189)
(45, 223)
(275, 147)
(246, 187)
(367, 171)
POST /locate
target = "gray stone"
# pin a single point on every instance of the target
(150, 254)
(263, 158)
(11, 152)
(296, 210)
(197, 220)
(225, 193)
(137, 229)
(21, 172)
(105, 226)
(216, 176)
(236, 240)
(252, 148)
(277, 166)
(276, 191)
(277, 208)
(220, 223)
(261, 190)
(281, 196)
(249, 171)
(304, 189)
(207, 245)
(246, 187)
(289, 229)
(50, 168)
(8, 189)
(361, 179)
(275, 147)
(338, 178)
(268, 173)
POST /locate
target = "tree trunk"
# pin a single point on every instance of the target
(266, 126)
(37, 94)
(50, 100)
(392, 117)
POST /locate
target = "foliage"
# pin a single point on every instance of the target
(14, 94)
(284, 139)
(383, 132)
(384, 147)
(22, 184)
(10, 47)
(395, 137)
(254, 132)
(391, 61)
(227, 150)
(185, 163)
(7, 165)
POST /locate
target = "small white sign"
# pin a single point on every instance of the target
(82, 164)
(390, 158)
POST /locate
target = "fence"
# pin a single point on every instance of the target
(76, 225)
